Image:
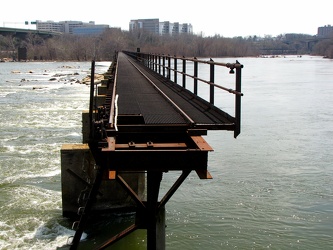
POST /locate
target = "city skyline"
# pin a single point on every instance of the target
(224, 18)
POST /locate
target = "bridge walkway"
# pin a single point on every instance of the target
(148, 126)
(159, 101)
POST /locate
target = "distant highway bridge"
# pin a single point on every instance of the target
(293, 46)
(23, 32)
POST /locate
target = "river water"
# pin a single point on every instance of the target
(272, 187)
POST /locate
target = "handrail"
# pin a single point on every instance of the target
(211, 83)
(112, 119)
(231, 66)
(157, 62)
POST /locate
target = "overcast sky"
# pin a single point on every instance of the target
(226, 18)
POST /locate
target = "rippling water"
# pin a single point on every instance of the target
(37, 116)
(271, 187)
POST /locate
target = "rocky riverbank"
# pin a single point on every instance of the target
(62, 77)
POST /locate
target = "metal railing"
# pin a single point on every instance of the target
(162, 64)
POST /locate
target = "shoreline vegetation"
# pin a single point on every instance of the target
(6, 60)
(102, 47)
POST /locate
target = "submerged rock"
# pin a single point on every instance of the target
(87, 79)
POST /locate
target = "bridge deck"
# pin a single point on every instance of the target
(138, 96)
(150, 125)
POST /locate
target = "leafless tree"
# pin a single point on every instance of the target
(103, 46)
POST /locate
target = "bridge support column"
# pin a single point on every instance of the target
(74, 158)
(155, 216)
(102, 90)
(100, 100)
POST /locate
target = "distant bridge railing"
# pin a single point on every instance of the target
(165, 65)
(24, 32)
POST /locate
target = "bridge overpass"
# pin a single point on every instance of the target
(24, 32)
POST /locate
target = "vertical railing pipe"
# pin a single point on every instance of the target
(159, 64)
(169, 67)
(163, 65)
(91, 102)
(238, 100)
(212, 77)
(175, 69)
(155, 56)
(184, 72)
(151, 61)
(195, 85)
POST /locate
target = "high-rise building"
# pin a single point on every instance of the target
(325, 31)
(90, 30)
(50, 26)
(162, 28)
(186, 28)
(71, 27)
(151, 25)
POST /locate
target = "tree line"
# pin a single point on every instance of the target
(102, 47)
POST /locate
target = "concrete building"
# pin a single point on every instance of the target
(325, 31)
(186, 28)
(162, 28)
(69, 27)
(90, 30)
(151, 25)
(49, 26)
(175, 28)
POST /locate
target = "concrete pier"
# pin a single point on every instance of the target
(78, 173)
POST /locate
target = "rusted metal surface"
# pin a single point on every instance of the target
(168, 151)
(119, 236)
(231, 123)
(149, 124)
(153, 98)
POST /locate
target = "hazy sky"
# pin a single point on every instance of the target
(226, 18)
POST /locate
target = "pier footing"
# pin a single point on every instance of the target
(77, 175)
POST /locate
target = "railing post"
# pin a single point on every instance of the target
(155, 65)
(238, 99)
(149, 60)
(184, 72)
(212, 77)
(169, 67)
(195, 86)
(175, 70)
(155, 219)
(159, 64)
(163, 65)
(91, 103)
